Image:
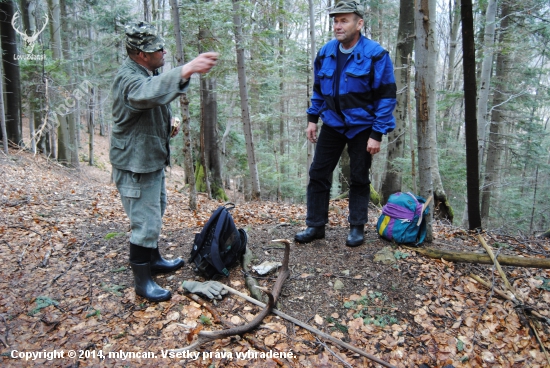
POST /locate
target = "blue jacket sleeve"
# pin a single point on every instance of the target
(317, 99)
(384, 89)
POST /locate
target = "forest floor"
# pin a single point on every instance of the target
(66, 286)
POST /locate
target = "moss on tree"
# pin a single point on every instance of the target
(200, 182)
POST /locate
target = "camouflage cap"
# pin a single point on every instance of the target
(143, 36)
(345, 7)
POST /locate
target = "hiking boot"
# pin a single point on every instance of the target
(310, 234)
(356, 235)
(161, 265)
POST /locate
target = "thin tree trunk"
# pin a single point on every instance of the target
(425, 96)
(485, 80)
(454, 17)
(392, 179)
(209, 132)
(494, 147)
(185, 121)
(281, 83)
(442, 206)
(55, 29)
(454, 20)
(11, 76)
(3, 117)
(472, 163)
(146, 12)
(212, 149)
(243, 91)
(71, 117)
(409, 123)
(311, 78)
(91, 128)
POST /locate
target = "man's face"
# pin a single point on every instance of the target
(155, 59)
(347, 28)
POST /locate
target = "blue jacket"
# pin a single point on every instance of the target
(366, 94)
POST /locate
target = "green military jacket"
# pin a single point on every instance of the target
(140, 139)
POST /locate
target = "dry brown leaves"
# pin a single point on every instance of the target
(65, 285)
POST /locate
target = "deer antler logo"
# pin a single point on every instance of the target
(29, 40)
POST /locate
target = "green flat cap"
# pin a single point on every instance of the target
(143, 36)
(345, 7)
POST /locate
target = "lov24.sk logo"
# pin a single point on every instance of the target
(29, 40)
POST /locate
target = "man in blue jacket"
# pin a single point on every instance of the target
(354, 95)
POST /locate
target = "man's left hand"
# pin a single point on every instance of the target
(373, 146)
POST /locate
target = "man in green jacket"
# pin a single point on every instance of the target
(140, 146)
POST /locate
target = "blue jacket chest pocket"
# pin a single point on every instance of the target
(326, 79)
(358, 77)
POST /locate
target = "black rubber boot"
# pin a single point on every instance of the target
(145, 286)
(161, 265)
(310, 234)
(356, 235)
(139, 254)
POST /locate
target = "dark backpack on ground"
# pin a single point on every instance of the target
(219, 245)
(402, 219)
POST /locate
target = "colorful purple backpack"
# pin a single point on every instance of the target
(402, 219)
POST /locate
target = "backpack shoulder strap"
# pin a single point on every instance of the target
(199, 239)
(215, 249)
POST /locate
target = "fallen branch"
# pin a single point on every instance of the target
(471, 257)
(333, 353)
(215, 315)
(207, 336)
(310, 328)
(508, 297)
(516, 302)
(499, 269)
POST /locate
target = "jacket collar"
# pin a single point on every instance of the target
(356, 53)
(140, 68)
(333, 46)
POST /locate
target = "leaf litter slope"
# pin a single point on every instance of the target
(65, 284)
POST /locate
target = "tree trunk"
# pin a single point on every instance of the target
(91, 128)
(425, 96)
(482, 258)
(243, 91)
(209, 132)
(454, 18)
(3, 118)
(494, 147)
(450, 81)
(146, 12)
(185, 121)
(442, 206)
(470, 89)
(12, 78)
(282, 111)
(311, 77)
(73, 143)
(55, 29)
(392, 179)
(485, 80)
(212, 150)
(25, 7)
